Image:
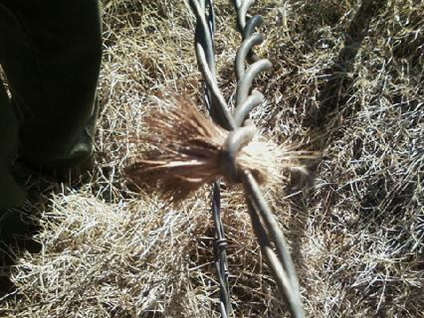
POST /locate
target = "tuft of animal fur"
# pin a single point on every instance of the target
(185, 152)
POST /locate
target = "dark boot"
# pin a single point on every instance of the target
(50, 51)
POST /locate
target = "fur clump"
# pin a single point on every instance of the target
(185, 151)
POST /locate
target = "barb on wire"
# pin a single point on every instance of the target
(220, 252)
(270, 237)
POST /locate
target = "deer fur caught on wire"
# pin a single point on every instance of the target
(186, 153)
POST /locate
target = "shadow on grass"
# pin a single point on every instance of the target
(335, 91)
(19, 226)
(334, 96)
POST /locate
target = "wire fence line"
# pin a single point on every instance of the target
(270, 237)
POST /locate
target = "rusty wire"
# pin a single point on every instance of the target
(270, 237)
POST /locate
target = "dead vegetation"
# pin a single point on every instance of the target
(347, 81)
(184, 150)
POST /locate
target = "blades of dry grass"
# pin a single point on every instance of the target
(358, 237)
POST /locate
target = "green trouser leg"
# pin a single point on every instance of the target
(10, 193)
(50, 51)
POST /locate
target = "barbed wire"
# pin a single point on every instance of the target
(269, 235)
(220, 253)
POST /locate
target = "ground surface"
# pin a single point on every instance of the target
(347, 80)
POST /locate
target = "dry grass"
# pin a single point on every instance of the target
(348, 80)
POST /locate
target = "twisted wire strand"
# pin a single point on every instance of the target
(265, 225)
(264, 222)
(205, 53)
(218, 108)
